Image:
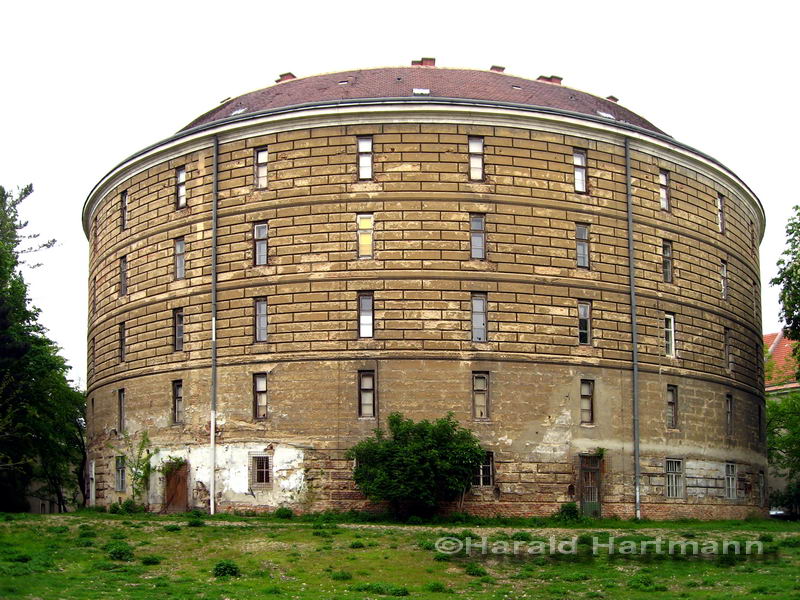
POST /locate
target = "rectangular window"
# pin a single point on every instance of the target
(579, 160)
(669, 335)
(730, 481)
(674, 478)
(480, 395)
(666, 260)
(180, 258)
(723, 278)
(728, 351)
(261, 161)
(261, 319)
(366, 315)
(582, 245)
(177, 329)
(260, 396)
(365, 223)
(122, 342)
(762, 489)
(121, 410)
(475, 158)
(587, 401)
(177, 401)
(123, 275)
(119, 479)
(584, 323)
(477, 233)
(260, 472)
(260, 233)
(754, 287)
(364, 157)
(485, 474)
(366, 394)
(663, 189)
(672, 407)
(180, 187)
(721, 213)
(123, 209)
(479, 333)
(729, 414)
(94, 294)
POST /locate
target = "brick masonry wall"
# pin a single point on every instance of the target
(422, 278)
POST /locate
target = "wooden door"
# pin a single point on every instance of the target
(176, 490)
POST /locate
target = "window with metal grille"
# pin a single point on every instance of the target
(672, 407)
(579, 161)
(480, 395)
(669, 335)
(729, 414)
(260, 241)
(122, 342)
(366, 224)
(366, 315)
(730, 481)
(180, 258)
(123, 275)
(587, 401)
(177, 401)
(723, 278)
(663, 189)
(260, 320)
(666, 260)
(485, 473)
(728, 353)
(475, 158)
(584, 323)
(177, 329)
(261, 160)
(721, 213)
(121, 410)
(674, 478)
(260, 395)
(477, 232)
(364, 157)
(366, 394)
(119, 479)
(123, 209)
(180, 187)
(582, 245)
(259, 470)
(479, 333)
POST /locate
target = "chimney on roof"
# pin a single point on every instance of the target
(612, 98)
(550, 79)
(497, 69)
(424, 62)
(285, 77)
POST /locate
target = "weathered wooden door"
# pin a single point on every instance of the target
(176, 490)
(590, 486)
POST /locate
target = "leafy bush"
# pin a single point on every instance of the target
(437, 587)
(341, 576)
(172, 528)
(119, 551)
(475, 570)
(356, 544)
(521, 536)
(568, 513)
(226, 568)
(195, 522)
(283, 513)
(383, 589)
(766, 537)
(151, 559)
(128, 507)
(441, 557)
(417, 466)
(426, 545)
(645, 583)
(87, 533)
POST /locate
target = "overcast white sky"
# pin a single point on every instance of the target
(86, 84)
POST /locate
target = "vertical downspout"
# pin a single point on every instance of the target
(214, 193)
(637, 469)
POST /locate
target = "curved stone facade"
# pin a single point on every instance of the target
(543, 392)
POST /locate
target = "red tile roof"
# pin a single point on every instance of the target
(401, 82)
(784, 368)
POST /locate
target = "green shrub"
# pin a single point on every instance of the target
(87, 533)
(356, 544)
(441, 557)
(283, 513)
(521, 536)
(195, 522)
(766, 537)
(226, 568)
(382, 589)
(437, 587)
(119, 551)
(568, 513)
(645, 583)
(172, 528)
(151, 559)
(341, 576)
(426, 545)
(475, 570)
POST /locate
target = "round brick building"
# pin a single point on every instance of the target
(271, 282)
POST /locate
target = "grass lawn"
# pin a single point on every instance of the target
(92, 555)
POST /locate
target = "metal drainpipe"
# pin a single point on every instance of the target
(214, 193)
(637, 469)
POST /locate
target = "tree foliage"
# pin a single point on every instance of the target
(417, 466)
(788, 278)
(41, 414)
